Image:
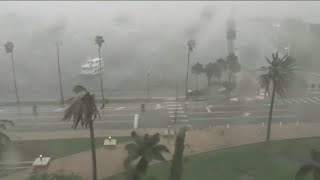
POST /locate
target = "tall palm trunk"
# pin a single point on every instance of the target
(14, 79)
(197, 82)
(101, 82)
(187, 75)
(93, 151)
(270, 111)
(209, 80)
(58, 59)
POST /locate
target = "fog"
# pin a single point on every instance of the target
(139, 36)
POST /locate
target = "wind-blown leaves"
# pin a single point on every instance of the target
(279, 73)
(145, 148)
(312, 167)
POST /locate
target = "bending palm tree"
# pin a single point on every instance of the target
(313, 166)
(197, 69)
(146, 148)
(99, 41)
(191, 45)
(84, 111)
(279, 72)
(9, 46)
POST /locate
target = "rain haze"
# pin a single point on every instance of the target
(139, 36)
(181, 90)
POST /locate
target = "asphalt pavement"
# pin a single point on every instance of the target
(169, 113)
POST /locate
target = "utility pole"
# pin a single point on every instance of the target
(148, 84)
(58, 59)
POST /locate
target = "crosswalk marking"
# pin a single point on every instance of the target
(295, 101)
(311, 100)
(119, 108)
(60, 109)
(316, 98)
(301, 99)
(288, 101)
(278, 101)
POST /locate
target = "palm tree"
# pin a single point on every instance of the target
(177, 160)
(9, 46)
(197, 69)
(278, 73)
(191, 45)
(83, 111)
(222, 64)
(217, 71)
(145, 148)
(99, 41)
(209, 69)
(313, 166)
(233, 65)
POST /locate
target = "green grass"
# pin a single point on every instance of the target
(56, 148)
(279, 161)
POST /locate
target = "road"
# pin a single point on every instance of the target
(161, 115)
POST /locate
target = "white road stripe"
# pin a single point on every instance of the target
(295, 101)
(55, 123)
(181, 120)
(171, 102)
(172, 112)
(313, 101)
(222, 112)
(168, 105)
(278, 101)
(119, 108)
(60, 117)
(135, 122)
(288, 101)
(208, 109)
(235, 118)
(173, 108)
(179, 115)
(304, 101)
(318, 99)
(60, 109)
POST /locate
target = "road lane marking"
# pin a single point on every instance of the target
(172, 112)
(58, 110)
(246, 114)
(69, 122)
(60, 117)
(171, 102)
(181, 120)
(119, 108)
(178, 108)
(208, 109)
(173, 105)
(179, 115)
(135, 122)
(158, 106)
(278, 101)
(235, 118)
(221, 112)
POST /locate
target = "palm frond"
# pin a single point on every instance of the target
(161, 148)
(137, 139)
(5, 121)
(303, 171)
(78, 89)
(153, 140)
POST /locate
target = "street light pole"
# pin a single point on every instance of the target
(148, 84)
(58, 59)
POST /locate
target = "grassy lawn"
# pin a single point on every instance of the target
(279, 161)
(55, 148)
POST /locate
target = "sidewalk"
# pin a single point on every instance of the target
(109, 162)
